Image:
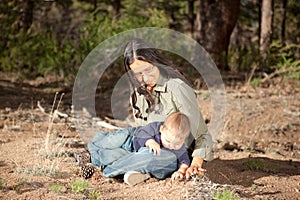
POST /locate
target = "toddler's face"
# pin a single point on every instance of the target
(170, 139)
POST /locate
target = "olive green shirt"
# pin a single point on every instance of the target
(174, 95)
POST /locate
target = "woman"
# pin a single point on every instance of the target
(157, 90)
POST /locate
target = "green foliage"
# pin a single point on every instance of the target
(36, 53)
(39, 51)
(64, 32)
(79, 186)
(225, 195)
(255, 165)
(285, 59)
(1, 183)
(101, 28)
(9, 21)
(283, 55)
(253, 187)
(255, 82)
(258, 165)
(94, 194)
(243, 59)
(55, 188)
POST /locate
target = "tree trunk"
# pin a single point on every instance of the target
(26, 14)
(259, 2)
(215, 21)
(284, 3)
(191, 16)
(266, 26)
(117, 7)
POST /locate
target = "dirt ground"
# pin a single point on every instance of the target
(256, 157)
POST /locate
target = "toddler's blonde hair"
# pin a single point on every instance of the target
(180, 122)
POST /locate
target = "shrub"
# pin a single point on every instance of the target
(79, 186)
(55, 188)
(225, 195)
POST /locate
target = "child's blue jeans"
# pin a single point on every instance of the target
(114, 151)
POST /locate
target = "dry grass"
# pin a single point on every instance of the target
(49, 153)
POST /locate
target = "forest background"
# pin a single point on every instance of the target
(254, 43)
(48, 37)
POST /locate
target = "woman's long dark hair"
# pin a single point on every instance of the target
(138, 49)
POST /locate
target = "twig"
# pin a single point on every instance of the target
(50, 123)
(52, 108)
(55, 114)
(280, 71)
(226, 124)
(197, 84)
(40, 107)
(51, 119)
(61, 96)
(60, 114)
(225, 177)
(251, 75)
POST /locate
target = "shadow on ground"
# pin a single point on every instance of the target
(246, 170)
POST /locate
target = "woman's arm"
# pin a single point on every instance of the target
(186, 102)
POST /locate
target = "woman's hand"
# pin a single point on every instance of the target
(195, 168)
(153, 146)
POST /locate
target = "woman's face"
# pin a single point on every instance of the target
(145, 72)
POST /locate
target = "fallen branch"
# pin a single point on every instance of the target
(56, 113)
(107, 125)
(60, 114)
(277, 72)
(40, 107)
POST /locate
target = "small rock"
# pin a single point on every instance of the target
(63, 190)
(110, 180)
(230, 146)
(15, 128)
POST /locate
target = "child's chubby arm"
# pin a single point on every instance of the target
(180, 173)
(153, 146)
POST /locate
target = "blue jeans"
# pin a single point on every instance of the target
(114, 152)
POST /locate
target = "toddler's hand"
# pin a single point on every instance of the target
(177, 176)
(153, 146)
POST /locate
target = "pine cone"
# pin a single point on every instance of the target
(87, 171)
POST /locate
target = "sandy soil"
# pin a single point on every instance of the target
(257, 155)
